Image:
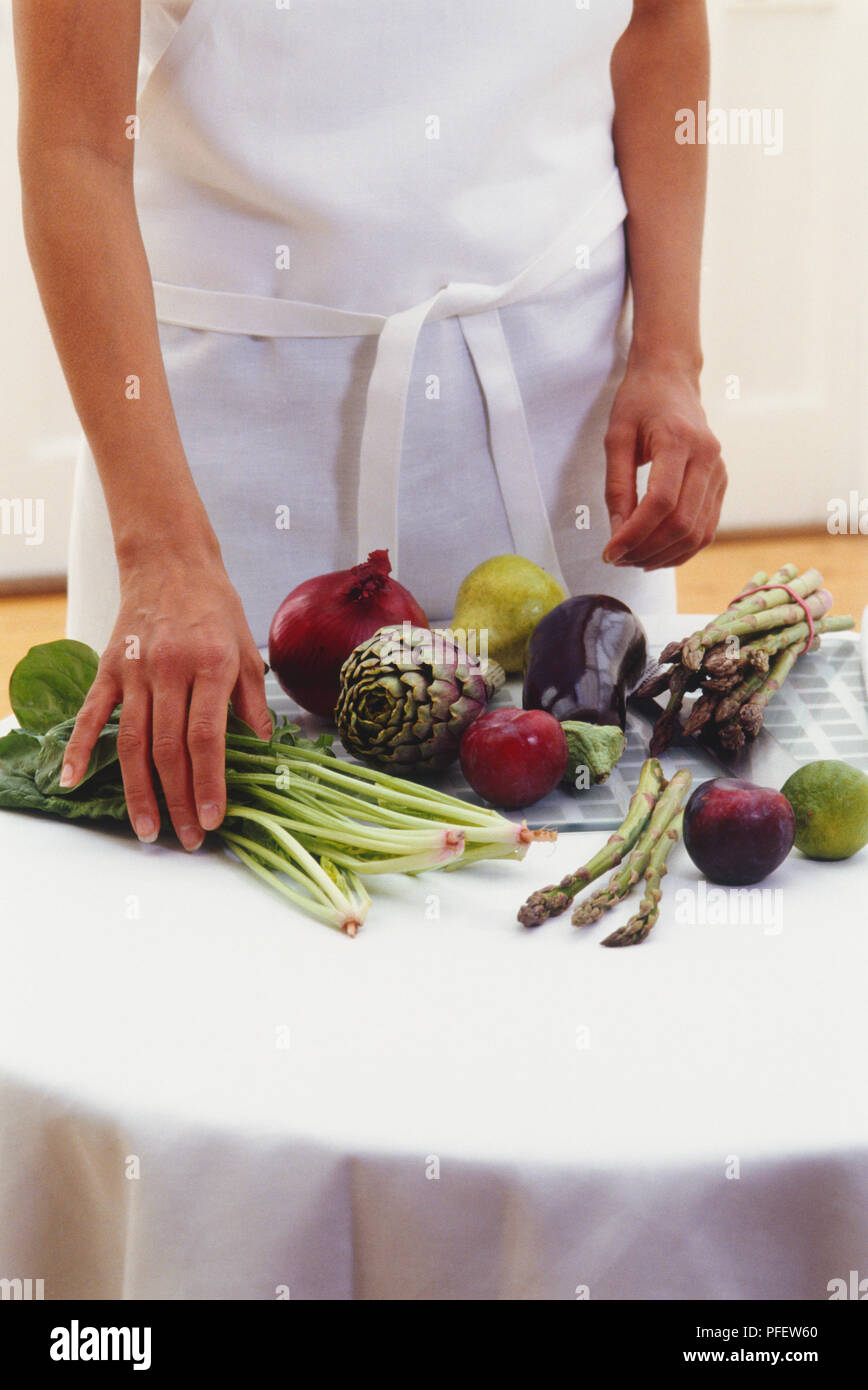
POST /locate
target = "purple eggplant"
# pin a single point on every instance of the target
(583, 659)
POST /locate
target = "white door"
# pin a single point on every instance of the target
(785, 287)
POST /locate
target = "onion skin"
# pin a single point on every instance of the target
(325, 618)
(583, 659)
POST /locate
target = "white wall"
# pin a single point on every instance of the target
(38, 425)
(786, 293)
(785, 286)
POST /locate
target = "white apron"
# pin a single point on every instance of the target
(388, 259)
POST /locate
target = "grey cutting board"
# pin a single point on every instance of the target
(820, 712)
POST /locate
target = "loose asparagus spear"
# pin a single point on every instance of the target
(548, 902)
(634, 866)
(640, 925)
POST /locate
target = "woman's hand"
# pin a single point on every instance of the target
(180, 649)
(657, 417)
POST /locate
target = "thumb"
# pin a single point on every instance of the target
(621, 498)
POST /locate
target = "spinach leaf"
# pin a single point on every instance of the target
(20, 794)
(20, 753)
(51, 754)
(282, 732)
(236, 725)
(286, 732)
(49, 684)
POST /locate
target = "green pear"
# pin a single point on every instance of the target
(505, 597)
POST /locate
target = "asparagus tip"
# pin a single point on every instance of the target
(628, 935)
(586, 913)
(545, 903)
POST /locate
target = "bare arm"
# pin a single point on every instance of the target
(661, 65)
(77, 66)
(77, 70)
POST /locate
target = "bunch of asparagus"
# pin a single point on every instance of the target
(742, 657)
(639, 847)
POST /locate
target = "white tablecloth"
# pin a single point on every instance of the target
(206, 1095)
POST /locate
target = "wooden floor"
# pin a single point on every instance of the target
(705, 585)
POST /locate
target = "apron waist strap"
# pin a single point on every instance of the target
(380, 455)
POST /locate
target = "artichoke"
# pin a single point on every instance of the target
(408, 694)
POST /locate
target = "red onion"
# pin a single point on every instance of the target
(324, 619)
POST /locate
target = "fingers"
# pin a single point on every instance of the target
(180, 721)
(674, 516)
(620, 444)
(171, 758)
(679, 532)
(192, 649)
(670, 458)
(206, 742)
(716, 508)
(704, 527)
(134, 751)
(99, 702)
(219, 678)
(185, 731)
(248, 697)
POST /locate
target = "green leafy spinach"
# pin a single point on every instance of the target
(46, 691)
(49, 684)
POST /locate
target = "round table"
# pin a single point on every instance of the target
(207, 1095)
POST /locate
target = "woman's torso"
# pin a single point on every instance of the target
(318, 140)
(381, 149)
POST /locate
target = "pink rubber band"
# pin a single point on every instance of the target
(797, 598)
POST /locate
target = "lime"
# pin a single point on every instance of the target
(830, 801)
